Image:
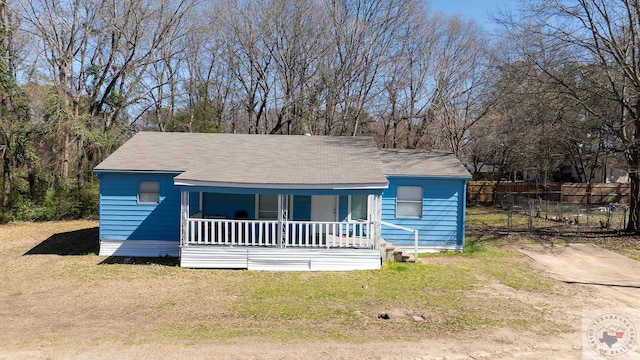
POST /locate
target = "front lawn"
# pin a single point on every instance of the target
(55, 295)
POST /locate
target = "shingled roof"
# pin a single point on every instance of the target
(253, 160)
(433, 163)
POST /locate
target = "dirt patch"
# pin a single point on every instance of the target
(614, 276)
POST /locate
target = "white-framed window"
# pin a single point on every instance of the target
(358, 207)
(409, 202)
(267, 206)
(148, 192)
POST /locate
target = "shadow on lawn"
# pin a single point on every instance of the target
(85, 242)
(133, 260)
(78, 242)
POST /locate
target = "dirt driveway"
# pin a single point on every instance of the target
(615, 276)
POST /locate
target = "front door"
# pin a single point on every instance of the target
(324, 208)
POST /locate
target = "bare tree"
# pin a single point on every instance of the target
(362, 33)
(295, 40)
(406, 74)
(250, 64)
(437, 83)
(96, 54)
(603, 34)
(463, 71)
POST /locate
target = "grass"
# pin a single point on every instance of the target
(488, 287)
(480, 215)
(557, 219)
(501, 264)
(315, 306)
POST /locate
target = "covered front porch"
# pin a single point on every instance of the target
(259, 229)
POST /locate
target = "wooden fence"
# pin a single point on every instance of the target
(575, 193)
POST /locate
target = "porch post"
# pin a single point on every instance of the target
(184, 217)
(376, 218)
(283, 208)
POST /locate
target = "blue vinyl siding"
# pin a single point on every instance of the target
(302, 207)
(443, 205)
(222, 204)
(122, 218)
(194, 203)
(343, 208)
(217, 204)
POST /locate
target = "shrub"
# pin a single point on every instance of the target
(65, 201)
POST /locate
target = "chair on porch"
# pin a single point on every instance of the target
(216, 234)
(242, 236)
(241, 215)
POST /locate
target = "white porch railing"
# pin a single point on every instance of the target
(307, 234)
(415, 236)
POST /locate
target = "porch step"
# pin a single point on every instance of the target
(391, 253)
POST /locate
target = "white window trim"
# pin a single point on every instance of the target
(349, 219)
(421, 202)
(257, 207)
(148, 192)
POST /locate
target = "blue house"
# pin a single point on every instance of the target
(265, 202)
(427, 193)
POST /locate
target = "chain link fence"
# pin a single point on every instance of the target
(521, 215)
(539, 213)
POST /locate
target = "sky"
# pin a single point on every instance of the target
(476, 9)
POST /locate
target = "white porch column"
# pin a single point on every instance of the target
(184, 217)
(376, 217)
(283, 215)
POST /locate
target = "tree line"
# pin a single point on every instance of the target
(550, 92)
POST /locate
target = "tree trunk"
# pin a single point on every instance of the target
(31, 177)
(65, 156)
(494, 191)
(634, 201)
(6, 178)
